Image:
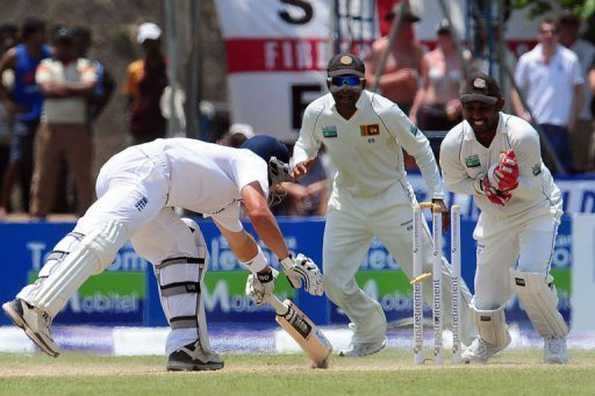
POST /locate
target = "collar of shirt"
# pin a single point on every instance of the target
(539, 53)
(363, 98)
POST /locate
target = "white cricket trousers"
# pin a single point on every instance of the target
(351, 223)
(526, 245)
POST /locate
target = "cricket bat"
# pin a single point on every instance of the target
(301, 328)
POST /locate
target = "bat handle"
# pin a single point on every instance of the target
(280, 308)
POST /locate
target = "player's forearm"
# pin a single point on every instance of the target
(268, 231)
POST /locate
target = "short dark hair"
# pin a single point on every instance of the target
(548, 21)
(32, 25)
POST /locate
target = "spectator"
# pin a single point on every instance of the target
(402, 70)
(581, 136)
(105, 85)
(23, 102)
(436, 105)
(8, 39)
(146, 81)
(550, 78)
(66, 81)
(237, 135)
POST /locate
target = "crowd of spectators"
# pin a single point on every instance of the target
(51, 94)
(52, 91)
(556, 79)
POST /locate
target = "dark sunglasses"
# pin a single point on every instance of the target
(349, 80)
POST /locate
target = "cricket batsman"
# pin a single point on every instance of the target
(364, 134)
(137, 190)
(496, 158)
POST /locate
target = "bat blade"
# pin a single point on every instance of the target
(301, 328)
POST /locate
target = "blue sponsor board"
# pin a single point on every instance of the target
(126, 294)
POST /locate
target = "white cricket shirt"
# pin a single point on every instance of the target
(208, 178)
(366, 149)
(463, 160)
(549, 88)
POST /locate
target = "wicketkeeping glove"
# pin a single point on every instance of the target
(505, 175)
(492, 193)
(301, 271)
(259, 286)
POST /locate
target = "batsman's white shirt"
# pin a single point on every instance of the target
(203, 177)
(366, 149)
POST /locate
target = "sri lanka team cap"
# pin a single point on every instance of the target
(346, 63)
(480, 88)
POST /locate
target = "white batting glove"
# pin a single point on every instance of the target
(259, 285)
(302, 271)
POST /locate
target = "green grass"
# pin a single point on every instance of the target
(388, 373)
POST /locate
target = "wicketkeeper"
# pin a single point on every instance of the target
(496, 158)
(137, 190)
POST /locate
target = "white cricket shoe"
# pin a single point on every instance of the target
(34, 322)
(480, 351)
(363, 348)
(554, 350)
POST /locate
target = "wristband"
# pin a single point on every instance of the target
(257, 263)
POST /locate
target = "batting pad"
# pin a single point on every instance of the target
(540, 301)
(94, 253)
(491, 325)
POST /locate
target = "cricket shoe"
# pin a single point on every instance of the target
(480, 351)
(193, 357)
(363, 348)
(554, 350)
(35, 322)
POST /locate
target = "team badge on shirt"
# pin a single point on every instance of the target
(369, 130)
(329, 131)
(413, 130)
(472, 161)
(536, 169)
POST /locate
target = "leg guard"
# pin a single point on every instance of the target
(93, 254)
(540, 301)
(180, 285)
(492, 326)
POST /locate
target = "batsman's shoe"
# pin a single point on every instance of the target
(363, 349)
(554, 350)
(193, 357)
(480, 351)
(34, 322)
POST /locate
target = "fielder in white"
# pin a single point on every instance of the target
(496, 158)
(364, 134)
(136, 190)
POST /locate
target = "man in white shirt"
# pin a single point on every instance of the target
(581, 137)
(496, 158)
(364, 134)
(551, 79)
(137, 190)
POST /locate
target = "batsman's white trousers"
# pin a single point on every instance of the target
(351, 223)
(501, 244)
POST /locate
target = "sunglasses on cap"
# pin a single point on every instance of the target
(350, 80)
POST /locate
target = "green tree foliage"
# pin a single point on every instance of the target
(583, 8)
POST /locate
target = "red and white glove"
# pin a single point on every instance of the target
(505, 175)
(492, 193)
